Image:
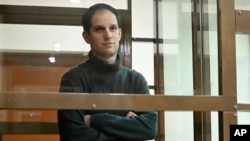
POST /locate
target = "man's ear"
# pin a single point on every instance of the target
(120, 32)
(86, 37)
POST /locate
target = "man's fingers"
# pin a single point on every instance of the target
(130, 113)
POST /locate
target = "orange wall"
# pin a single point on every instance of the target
(30, 138)
(31, 79)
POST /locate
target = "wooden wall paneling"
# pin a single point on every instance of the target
(36, 59)
(41, 76)
(125, 49)
(227, 63)
(41, 15)
(23, 131)
(30, 137)
(30, 127)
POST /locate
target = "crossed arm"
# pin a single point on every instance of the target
(75, 126)
(87, 117)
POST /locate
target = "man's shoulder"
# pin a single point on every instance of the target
(78, 68)
(133, 72)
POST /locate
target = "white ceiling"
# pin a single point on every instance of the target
(119, 4)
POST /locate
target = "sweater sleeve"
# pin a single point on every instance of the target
(71, 122)
(141, 127)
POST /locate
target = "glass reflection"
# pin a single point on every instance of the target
(187, 26)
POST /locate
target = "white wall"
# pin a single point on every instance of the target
(41, 38)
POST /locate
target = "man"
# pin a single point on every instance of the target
(103, 73)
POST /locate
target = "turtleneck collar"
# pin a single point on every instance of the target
(103, 66)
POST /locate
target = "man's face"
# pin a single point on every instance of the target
(104, 35)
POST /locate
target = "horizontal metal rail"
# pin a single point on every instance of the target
(96, 101)
(243, 107)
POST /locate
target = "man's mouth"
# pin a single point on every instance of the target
(109, 43)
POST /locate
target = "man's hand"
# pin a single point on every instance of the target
(131, 114)
(87, 120)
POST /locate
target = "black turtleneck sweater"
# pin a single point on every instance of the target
(95, 76)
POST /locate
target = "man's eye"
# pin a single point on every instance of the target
(99, 29)
(113, 28)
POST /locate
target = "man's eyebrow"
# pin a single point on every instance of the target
(114, 25)
(98, 26)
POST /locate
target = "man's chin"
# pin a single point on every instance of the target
(110, 52)
(109, 55)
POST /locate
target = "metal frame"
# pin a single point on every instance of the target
(136, 102)
(227, 64)
(95, 101)
(226, 103)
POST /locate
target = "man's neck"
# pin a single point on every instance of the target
(108, 60)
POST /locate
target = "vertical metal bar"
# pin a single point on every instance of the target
(197, 66)
(159, 70)
(206, 78)
(227, 63)
(201, 68)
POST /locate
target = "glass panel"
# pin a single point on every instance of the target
(242, 5)
(210, 43)
(243, 67)
(177, 47)
(178, 126)
(143, 59)
(243, 117)
(121, 4)
(178, 67)
(178, 36)
(142, 20)
(214, 126)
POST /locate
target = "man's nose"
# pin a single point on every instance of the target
(108, 33)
